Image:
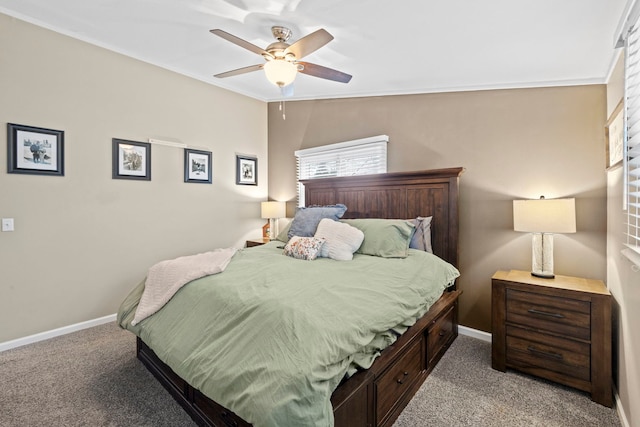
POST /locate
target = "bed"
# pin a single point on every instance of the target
(372, 394)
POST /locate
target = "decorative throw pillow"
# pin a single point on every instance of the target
(303, 247)
(306, 220)
(387, 238)
(422, 237)
(342, 240)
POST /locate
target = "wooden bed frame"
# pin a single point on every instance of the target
(376, 396)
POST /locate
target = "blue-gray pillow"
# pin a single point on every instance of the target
(306, 220)
(421, 239)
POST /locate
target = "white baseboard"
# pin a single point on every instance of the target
(8, 345)
(620, 409)
(474, 333)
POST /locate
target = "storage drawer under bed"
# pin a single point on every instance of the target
(441, 332)
(398, 380)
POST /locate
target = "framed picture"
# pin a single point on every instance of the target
(614, 137)
(33, 150)
(197, 166)
(131, 160)
(246, 170)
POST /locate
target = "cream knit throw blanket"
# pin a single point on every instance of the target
(167, 277)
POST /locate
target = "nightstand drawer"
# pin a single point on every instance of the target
(550, 353)
(554, 314)
(572, 345)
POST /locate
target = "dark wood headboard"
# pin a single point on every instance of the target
(400, 195)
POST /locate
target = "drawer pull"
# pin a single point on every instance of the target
(545, 353)
(442, 333)
(544, 313)
(401, 380)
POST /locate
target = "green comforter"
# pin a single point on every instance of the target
(271, 337)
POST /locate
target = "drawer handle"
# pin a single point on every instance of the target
(442, 333)
(400, 380)
(544, 313)
(545, 353)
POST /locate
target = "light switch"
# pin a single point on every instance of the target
(7, 224)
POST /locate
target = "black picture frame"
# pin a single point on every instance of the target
(34, 150)
(131, 160)
(198, 167)
(246, 170)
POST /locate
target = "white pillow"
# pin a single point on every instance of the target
(341, 240)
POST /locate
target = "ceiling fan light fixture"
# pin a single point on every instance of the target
(280, 72)
(283, 59)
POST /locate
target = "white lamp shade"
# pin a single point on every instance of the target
(273, 210)
(280, 72)
(545, 215)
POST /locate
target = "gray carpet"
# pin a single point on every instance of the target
(92, 378)
(87, 378)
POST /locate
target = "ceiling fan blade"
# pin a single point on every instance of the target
(242, 70)
(309, 43)
(240, 42)
(324, 72)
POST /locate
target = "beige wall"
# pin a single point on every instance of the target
(82, 241)
(513, 143)
(622, 281)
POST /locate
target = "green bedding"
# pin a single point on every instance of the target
(271, 337)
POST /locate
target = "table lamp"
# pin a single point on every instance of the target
(544, 217)
(271, 211)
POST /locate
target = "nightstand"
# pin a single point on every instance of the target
(257, 242)
(558, 329)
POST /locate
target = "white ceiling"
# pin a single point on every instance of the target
(390, 47)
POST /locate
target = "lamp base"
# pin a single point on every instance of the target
(543, 275)
(542, 255)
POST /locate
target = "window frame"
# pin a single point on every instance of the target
(629, 39)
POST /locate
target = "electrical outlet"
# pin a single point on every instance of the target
(7, 224)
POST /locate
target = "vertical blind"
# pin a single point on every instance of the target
(359, 157)
(632, 138)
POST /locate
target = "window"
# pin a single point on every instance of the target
(358, 157)
(631, 160)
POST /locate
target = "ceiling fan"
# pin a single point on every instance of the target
(283, 60)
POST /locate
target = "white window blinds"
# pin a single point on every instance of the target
(358, 157)
(632, 140)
